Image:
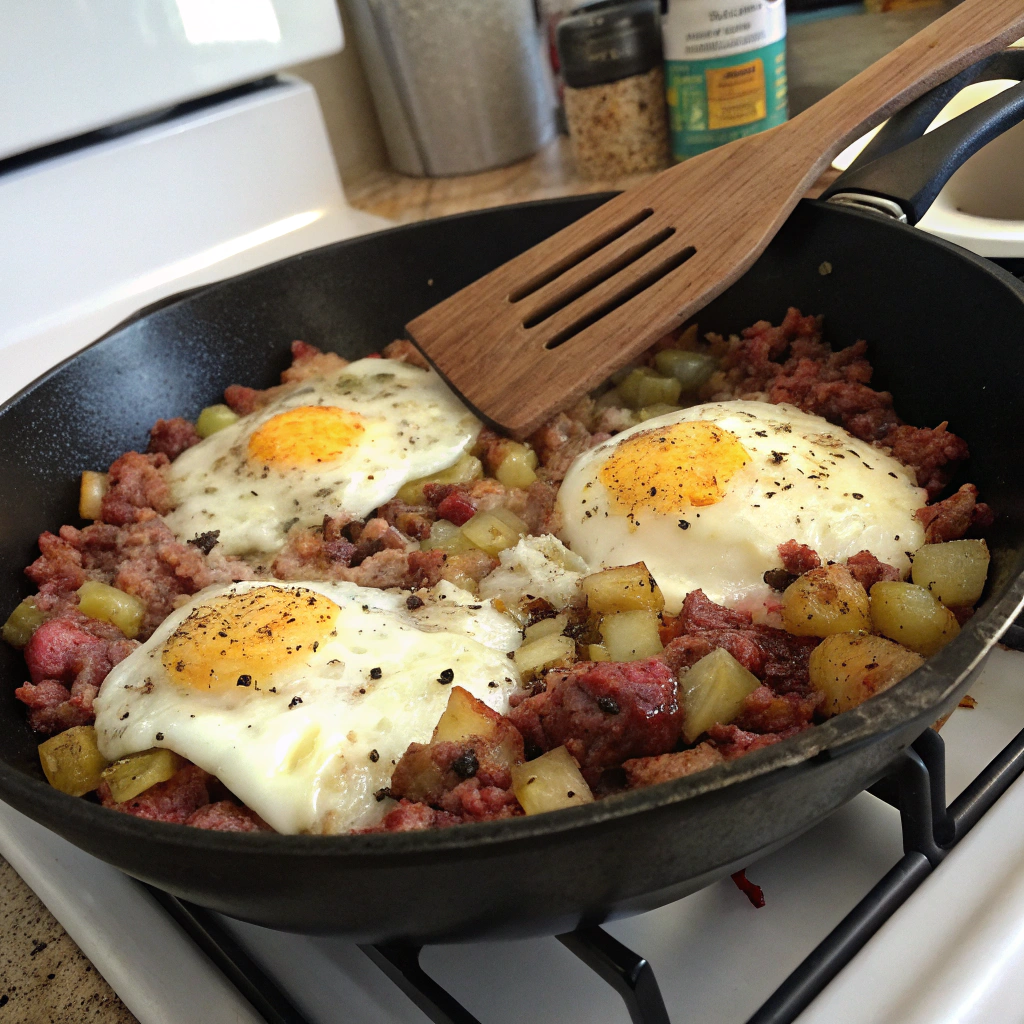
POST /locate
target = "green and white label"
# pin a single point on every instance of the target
(725, 70)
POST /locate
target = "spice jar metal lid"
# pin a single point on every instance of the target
(609, 40)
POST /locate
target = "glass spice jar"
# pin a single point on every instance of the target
(611, 60)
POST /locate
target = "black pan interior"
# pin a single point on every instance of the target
(947, 337)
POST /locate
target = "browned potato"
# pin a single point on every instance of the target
(419, 776)
(549, 782)
(467, 716)
(912, 616)
(954, 572)
(72, 761)
(597, 652)
(464, 716)
(631, 636)
(825, 601)
(626, 588)
(136, 773)
(90, 494)
(713, 691)
(850, 667)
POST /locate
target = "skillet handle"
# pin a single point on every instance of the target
(906, 176)
(913, 120)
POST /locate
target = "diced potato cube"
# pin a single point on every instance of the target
(214, 418)
(954, 572)
(136, 773)
(648, 412)
(619, 375)
(691, 369)
(448, 537)
(631, 636)
(850, 667)
(98, 601)
(624, 589)
(90, 494)
(598, 652)
(546, 627)
(494, 531)
(22, 623)
(464, 716)
(549, 652)
(549, 782)
(517, 467)
(629, 387)
(825, 601)
(72, 761)
(461, 579)
(713, 691)
(466, 470)
(645, 386)
(417, 776)
(912, 616)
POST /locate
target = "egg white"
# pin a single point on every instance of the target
(807, 480)
(414, 426)
(311, 755)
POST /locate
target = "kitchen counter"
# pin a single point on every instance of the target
(44, 977)
(822, 54)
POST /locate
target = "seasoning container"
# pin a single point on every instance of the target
(725, 69)
(459, 86)
(611, 62)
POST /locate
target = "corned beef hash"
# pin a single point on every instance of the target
(342, 604)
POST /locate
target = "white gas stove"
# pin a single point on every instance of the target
(953, 952)
(110, 222)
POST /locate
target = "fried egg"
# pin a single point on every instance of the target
(342, 443)
(704, 496)
(301, 697)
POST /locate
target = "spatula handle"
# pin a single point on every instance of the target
(969, 32)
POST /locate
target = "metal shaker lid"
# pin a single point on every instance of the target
(609, 40)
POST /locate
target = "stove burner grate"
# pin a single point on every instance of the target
(915, 785)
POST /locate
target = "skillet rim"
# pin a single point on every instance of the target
(894, 711)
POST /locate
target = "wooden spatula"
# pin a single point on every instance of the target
(544, 328)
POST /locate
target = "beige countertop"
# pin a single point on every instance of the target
(44, 977)
(550, 174)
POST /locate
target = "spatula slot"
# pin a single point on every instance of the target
(634, 288)
(590, 281)
(593, 245)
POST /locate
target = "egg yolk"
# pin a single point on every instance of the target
(242, 640)
(306, 436)
(673, 468)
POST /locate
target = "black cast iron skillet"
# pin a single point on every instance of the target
(947, 338)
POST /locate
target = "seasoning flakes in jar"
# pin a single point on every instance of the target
(611, 59)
